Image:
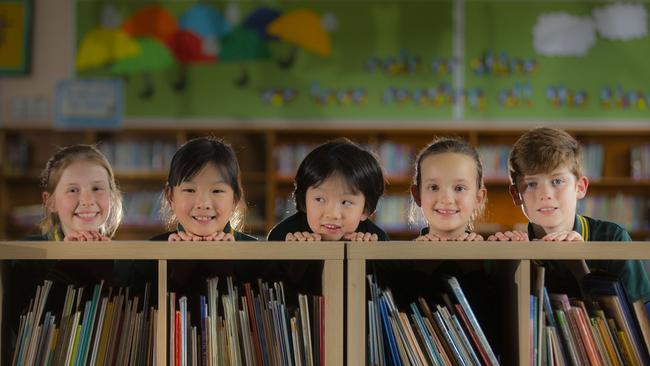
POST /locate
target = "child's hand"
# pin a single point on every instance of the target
(469, 237)
(85, 236)
(509, 236)
(563, 236)
(304, 236)
(219, 236)
(183, 236)
(360, 237)
(431, 237)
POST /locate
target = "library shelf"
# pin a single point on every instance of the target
(514, 260)
(331, 255)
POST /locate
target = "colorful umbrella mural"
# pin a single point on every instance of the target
(303, 29)
(243, 45)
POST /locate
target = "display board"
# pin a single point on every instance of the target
(367, 60)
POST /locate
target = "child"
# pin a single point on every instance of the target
(337, 187)
(80, 196)
(448, 188)
(203, 193)
(547, 181)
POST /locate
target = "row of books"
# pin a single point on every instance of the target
(139, 155)
(632, 212)
(448, 335)
(397, 159)
(640, 162)
(602, 329)
(289, 157)
(115, 329)
(250, 329)
(142, 208)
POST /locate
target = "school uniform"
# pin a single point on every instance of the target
(52, 235)
(239, 236)
(298, 223)
(631, 273)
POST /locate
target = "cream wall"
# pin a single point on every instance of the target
(28, 100)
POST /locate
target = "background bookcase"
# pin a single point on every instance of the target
(269, 158)
(330, 254)
(514, 261)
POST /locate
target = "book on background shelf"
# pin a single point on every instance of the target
(101, 327)
(396, 159)
(27, 216)
(444, 334)
(392, 212)
(640, 162)
(142, 208)
(249, 328)
(495, 161)
(592, 160)
(288, 158)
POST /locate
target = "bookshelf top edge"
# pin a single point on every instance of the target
(409, 250)
(146, 250)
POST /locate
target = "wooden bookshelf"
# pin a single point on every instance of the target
(331, 255)
(263, 182)
(514, 258)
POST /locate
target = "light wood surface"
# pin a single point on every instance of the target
(499, 250)
(167, 250)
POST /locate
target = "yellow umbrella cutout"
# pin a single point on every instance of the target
(102, 46)
(302, 28)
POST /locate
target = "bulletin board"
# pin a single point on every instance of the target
(368, 60)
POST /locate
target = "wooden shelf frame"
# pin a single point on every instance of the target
(518, 257)
(332, 255)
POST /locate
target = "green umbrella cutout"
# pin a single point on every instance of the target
(154, 56)
(243, 45)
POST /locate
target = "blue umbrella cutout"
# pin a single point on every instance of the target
(259, 19)
(206, 22)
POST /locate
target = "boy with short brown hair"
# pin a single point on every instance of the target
(547, 181)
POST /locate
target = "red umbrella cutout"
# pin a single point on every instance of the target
(189, 48)
(303, 29)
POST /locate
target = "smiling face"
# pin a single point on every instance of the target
(81, 197)
(549, 200)
(203, 204)
(333, 209)
(448, 193)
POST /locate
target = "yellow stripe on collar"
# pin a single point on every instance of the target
(585, 228)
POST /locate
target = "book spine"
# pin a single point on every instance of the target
(462, 300)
